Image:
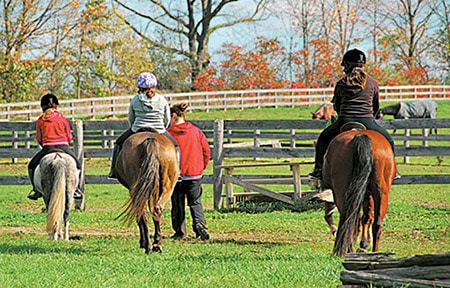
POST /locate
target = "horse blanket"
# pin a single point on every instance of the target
(419, 109)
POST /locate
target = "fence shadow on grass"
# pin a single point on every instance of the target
(22, 249)
(254, 207)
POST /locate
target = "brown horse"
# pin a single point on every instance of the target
(325, 111)
(147, 166)
(359, 168)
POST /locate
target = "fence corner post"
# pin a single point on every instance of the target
(79, 152)
(217, 162)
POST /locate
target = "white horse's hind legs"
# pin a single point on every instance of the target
(66, 232)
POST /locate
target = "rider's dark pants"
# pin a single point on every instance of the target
(44, 151)
(335, 128)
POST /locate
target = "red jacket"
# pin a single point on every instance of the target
(53, 129)
(194, 149)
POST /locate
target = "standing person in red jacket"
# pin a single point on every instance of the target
(195, 155)
(52, 133)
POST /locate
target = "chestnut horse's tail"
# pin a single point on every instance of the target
(355, 194)
(148, 187)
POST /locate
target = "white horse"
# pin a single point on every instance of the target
(56, 177)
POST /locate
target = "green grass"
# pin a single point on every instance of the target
(281, 248)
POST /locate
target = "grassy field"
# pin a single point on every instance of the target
(277, 248)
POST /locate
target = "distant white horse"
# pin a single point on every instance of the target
(418, 109)
(56, 177)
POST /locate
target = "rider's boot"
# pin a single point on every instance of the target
(316, 174)
(112, 172)
(79, 193)
(34, 194)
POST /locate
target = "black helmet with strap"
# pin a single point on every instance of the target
(354, 56)
(48, 101)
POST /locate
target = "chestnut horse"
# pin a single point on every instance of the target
(325, 111)
(56, 177)
(147, 166)
(359, 168)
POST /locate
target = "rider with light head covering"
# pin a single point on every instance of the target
(148, 109)
(356, 99)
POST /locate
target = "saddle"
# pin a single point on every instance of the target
(147, 129)
(55, 150)
(353, 126)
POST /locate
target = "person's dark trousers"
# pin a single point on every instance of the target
(192, 191)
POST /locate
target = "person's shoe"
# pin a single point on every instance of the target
(34, 195)
(316, 174)
(177, 236)
(201, 231)
(397, 176)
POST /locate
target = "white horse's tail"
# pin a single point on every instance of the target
(57, 202)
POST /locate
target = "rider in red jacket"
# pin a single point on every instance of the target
(52, 133)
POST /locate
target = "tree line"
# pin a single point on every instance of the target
(94, 48)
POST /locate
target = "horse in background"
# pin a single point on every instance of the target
(147, 166)
(325, 111)
(56, 177)
(418, 109)
(359, 168)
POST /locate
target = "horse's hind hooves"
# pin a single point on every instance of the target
(157, 249)
(361, 250)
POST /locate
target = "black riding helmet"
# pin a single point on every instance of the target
(48, 101)
(354, 56)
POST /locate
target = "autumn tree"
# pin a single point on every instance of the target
(441, 48)
(409, 22)
(185, 27)
(25, 30)
(255, 68)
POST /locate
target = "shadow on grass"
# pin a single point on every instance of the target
(29, 249)
(264, 207)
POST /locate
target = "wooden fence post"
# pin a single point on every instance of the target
(407, 134)
(256, 141)
(79, 152)
(217, 162)
(15, 144)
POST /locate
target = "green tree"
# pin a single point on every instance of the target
(25, 30)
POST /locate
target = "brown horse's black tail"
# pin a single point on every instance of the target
(146, 189)
(354, 196)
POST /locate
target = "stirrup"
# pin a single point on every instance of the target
(112, 176)
(78, 194)
(316, 174)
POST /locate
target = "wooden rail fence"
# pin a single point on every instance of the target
(239, 145)
(218, 100)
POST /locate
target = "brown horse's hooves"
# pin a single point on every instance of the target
(157, 249)
(361, 250)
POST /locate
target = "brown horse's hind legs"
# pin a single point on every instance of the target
(144, 240)
(329, 210)
(157, 247)
(366, 223)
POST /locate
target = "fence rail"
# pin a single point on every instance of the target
(235, 140)
(220, 100)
